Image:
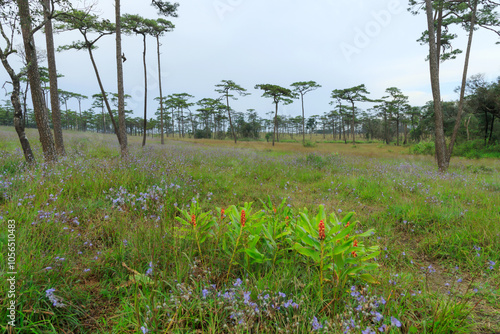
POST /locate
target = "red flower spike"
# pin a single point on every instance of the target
(243, 218)
(321, 229)
(355, 243)
(348, 224)
(193, 220)
(353, 253)
(222, 211)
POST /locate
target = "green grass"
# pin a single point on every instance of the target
(110, 218)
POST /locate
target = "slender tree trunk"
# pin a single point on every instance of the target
(440, 141)
(161, 94)
(464, 82)
(104, 95)
(54, 94)
(145, 90)
(122, 124)
(397, 130)
(491, 128)
(467, 122)
(41, 113)
(230, 120)
(353, 124)
(303, 119)
(275, 122)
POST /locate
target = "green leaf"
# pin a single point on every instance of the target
(369, 279)
(307, 252)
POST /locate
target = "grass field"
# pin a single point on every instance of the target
(108, 245)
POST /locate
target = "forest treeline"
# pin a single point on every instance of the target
(390, 119)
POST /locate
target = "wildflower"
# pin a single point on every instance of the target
(150, 270)
(238, 282)
(355, 243)
(353, 253)
(205, 293)
(395, 322)
(281, 294)
(378, 317)
(193, 220)
(348, 224)
(368, 330)
(56, 301)
(243, 218)
(144, 329)
(459, 280)
(382, 328)
(316, 325)
(492, 264)
(321, 228)
(222, 211)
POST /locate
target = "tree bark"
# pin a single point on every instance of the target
(159, 83)
(353, 120)
(54, 93)
(230, 120)
(122, 128)
(104, 95)
(145, 90)
(40, 110)
(440, 142)
(464, 82)
(18, 111)
(275, 122)
(303, 119)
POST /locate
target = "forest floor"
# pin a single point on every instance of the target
(108, 245)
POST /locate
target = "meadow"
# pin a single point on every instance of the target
(204, 236)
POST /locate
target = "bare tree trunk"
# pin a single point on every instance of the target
(104, 95)
(41, 113)
(18, 112)
(440, 141)
(230, 120)
(303, 120)
(464, 82)
(467, 122)
(353, 124)
(275, 122)
(159, 83)
(122, 129)
(145, 90)
(54, 94)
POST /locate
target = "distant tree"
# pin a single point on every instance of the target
(353, 94)
(159, 28)
(88, 24)
(225, 88)
(144, 27)
(302, 88)
(278, 94)
(398, 103)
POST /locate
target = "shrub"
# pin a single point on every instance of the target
(423, 147)
(309, 143)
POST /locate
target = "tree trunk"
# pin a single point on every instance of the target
(230, 120)
(145, 90)
(41, 113)
(440, 142)
(353, 121)
(397, 130)
(161, 94)
(54, 93)
(303, 120)
(18, 112)
(104, 95)
(491, 128)
(464, 82)
(122, 125)
(275, 122)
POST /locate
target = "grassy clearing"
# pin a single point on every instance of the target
(103, 233)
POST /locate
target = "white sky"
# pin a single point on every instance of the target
(337, 43)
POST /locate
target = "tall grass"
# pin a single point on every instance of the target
(103, 233)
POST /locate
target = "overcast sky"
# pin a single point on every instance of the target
(337, 43)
